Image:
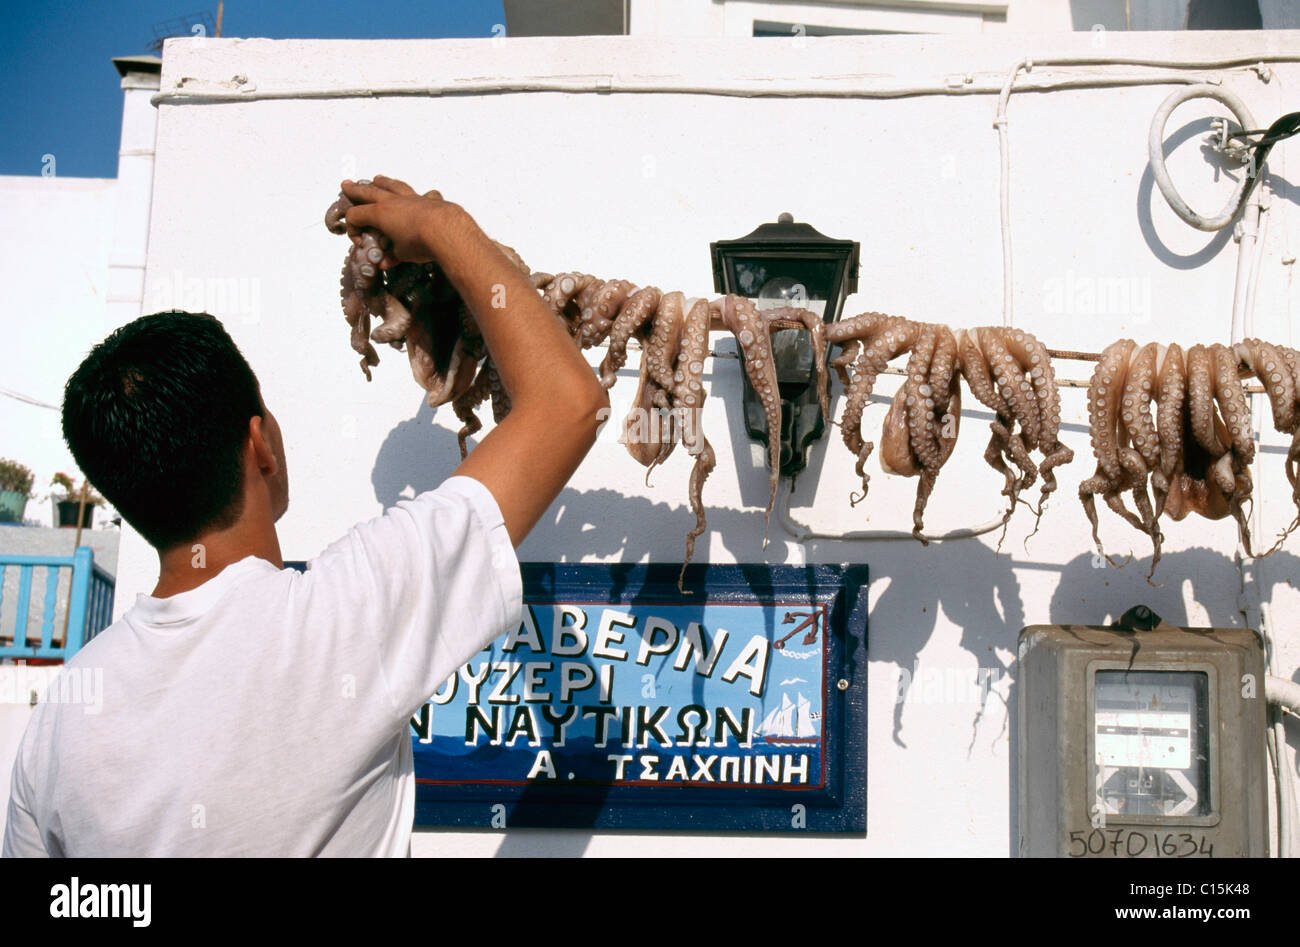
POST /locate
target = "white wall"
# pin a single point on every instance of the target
(635, 186)
(73, 261)
(57, 247)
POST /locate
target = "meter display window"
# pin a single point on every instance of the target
(1151, 739)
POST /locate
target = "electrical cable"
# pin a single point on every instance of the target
(801, 533)
(28, 399)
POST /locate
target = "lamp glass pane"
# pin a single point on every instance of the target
(774, 282)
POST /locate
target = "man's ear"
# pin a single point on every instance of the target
(261, 447)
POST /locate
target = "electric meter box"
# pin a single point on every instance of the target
(1141, 740)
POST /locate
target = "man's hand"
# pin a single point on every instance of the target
(412, 226)
(557, 402)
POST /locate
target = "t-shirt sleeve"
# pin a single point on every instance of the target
(434, 580)
(22, 836)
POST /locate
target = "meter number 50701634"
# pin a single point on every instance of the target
(1135, 843)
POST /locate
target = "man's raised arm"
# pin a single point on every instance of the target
(556, 400)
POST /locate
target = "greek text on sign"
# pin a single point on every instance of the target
(636, 695)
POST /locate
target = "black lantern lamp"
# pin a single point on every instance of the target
(788, 264)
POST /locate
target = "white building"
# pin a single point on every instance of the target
(625, 156)
(77, 247)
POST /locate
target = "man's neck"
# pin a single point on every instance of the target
(188, 565)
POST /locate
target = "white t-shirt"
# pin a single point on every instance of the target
(266, 711)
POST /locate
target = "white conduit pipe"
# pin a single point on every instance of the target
(242, 89)
(1283, 693)
(1004, 204)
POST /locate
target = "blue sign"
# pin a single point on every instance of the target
(620, 702)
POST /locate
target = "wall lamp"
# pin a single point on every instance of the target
(788, 264)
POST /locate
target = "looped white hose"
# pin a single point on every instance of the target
(1155, 151)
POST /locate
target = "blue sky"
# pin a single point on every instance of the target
(63, 97)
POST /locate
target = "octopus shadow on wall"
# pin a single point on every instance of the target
(1093, 595)
(416, 456)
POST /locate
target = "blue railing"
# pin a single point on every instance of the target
(90, 609)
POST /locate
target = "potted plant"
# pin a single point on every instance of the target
(15, 490)
(67, 497)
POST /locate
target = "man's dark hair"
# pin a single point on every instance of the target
(157, 416)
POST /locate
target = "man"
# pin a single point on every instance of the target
(246, 709)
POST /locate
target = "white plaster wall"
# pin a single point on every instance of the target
(635, 186)
(73, 266)
(56, 249)
(134, 191)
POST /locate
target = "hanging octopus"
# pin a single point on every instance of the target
(1196, 455)
(1008, 370)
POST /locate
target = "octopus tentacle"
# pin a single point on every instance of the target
(744, 320)
(1103, 404)
(848, 355)
(1016, 392)
(500, 396)
(1036, 363)
(689, 395)
(864, 325)
(336, 214)
(1171, 394)
(943, 369)
(638, 309)
(1231, 398)
(817, 335)
(1014, 385)
(464, 407)
(1270, 367)
(1104, 397)
(1135, 412)
(1200, 399)
(660, 357)
(947, 442)
(895, 335)
(922, 433)
(975, 369)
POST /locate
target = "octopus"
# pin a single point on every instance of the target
(1007, 370)
(1195, 455)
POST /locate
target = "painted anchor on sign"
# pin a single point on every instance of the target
(809, 618)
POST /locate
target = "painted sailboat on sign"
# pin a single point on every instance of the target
(791, 723)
